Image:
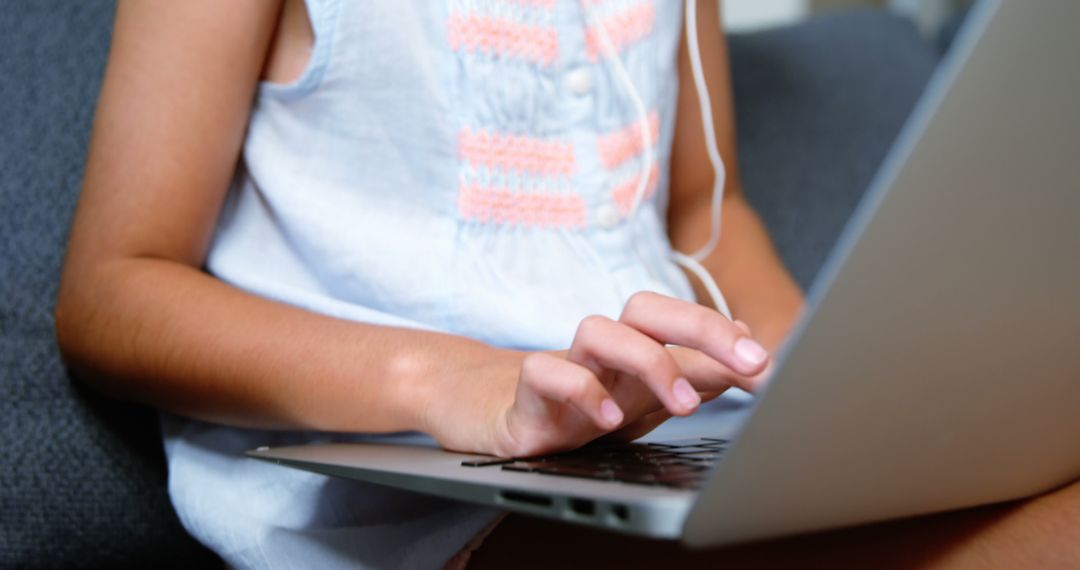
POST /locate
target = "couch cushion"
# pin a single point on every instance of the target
(82, 481)
(818, 106)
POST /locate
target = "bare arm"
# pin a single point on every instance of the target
(744, 263)
(139, 319)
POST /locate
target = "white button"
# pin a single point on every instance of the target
(579, 81)
(607, 217)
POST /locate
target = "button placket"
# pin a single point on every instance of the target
(607, 216)
(579, 81)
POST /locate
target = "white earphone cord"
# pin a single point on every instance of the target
(691, 262)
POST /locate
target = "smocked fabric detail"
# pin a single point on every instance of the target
(625, 24)
(620, 146)
(517, 180)
(621, 153)
(482, 148)
(501, 205)
(623, 193)
(510, 29)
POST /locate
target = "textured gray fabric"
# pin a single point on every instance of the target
(818, 106)
(82, 480)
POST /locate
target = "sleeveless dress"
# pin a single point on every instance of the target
(465, 166)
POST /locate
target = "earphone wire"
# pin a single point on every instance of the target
(691, 262)
(707, 123)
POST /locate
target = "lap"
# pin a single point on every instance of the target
(1039, 532)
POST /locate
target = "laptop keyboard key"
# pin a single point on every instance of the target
(603, 474)
(521, 466)
(678, 443)
(486, 462)
(678, 464)
(709, 453)
(692, 449)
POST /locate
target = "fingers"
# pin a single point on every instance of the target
(742, 325)
(562, 381)
(709, 376)
(714, 354)
(674, 321)
(639, 427)
(601, 343)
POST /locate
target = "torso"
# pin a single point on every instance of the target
(464, 166)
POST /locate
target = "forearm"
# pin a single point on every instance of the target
(746, 267)
(168, 335)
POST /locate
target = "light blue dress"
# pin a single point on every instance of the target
(464, 166)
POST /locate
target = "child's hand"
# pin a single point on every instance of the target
(621, 376)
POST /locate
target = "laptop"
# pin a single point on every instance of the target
(936, 367)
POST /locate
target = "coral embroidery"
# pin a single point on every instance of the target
(624, 28)
(623, 194)
(519, 178)
(546, 4)
(488, 204)
(502, 36)
(516, 153)
(532, 177)
(622, 145)
(616, 150)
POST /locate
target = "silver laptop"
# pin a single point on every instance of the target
(938, 366)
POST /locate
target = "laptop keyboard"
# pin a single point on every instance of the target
(681, 464)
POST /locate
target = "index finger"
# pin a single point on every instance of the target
(674, 321)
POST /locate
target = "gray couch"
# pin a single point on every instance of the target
(82, 483)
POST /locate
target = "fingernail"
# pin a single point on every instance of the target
(685, 393)
(750, 352)
(611, 413)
